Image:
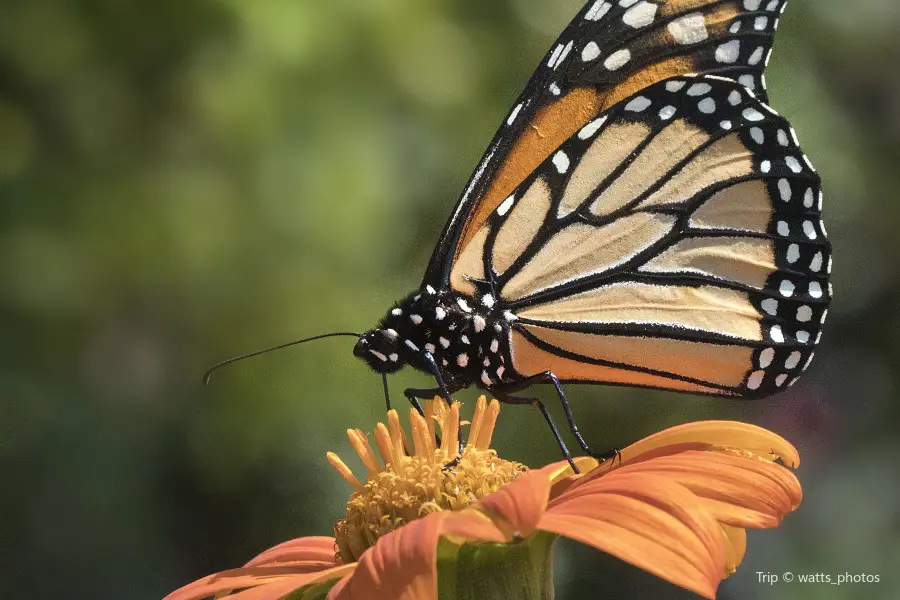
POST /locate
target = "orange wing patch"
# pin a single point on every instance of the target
(551, 126)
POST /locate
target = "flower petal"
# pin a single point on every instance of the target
(517, 507)
(315, 548)
(739, 490)
(703, 434)
(735, 547)
(400, 566)
(648, 521)
(289, 578)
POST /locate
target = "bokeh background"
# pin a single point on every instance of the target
(184, 180)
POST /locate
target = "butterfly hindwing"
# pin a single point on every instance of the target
(609, 51)
(674, 241)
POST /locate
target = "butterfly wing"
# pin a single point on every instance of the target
(609, 51)
(674, 242)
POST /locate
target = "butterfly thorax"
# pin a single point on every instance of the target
(460, 333)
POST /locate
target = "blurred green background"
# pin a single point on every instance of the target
(184, 180)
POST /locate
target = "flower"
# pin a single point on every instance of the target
(676, 504)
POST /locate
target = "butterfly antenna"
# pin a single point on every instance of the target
(214, 368)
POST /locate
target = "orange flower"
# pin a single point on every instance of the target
(676, 504)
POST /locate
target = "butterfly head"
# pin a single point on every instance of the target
(379, 348)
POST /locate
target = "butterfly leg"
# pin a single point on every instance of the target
(522, 401)
(551, 378)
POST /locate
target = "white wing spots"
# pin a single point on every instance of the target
(617, 60)
(590, 52)
(411, 346)
(779, 381)
(485, 378)
(770, 305)
(793, 360)
(626, 3)
(725, 125)
(561, 161)
(514, 114)
(430, 348)
(510, 316)
(667, 113)
(794, 136)
(500, 371)
(793, 253)
(699, 89)
(416, 319)
(756, 56)
(394, 357)
(816, 264)
(793, 164)
(804, 314)
(758, 136)
(463, 304)
(810, 230)
(824, 316)
(761, 23)
(598, 10)
(809, 163)
(802, 337)
(479, 323)
(431, 291)
(768, 56)
(397, 312)
(772, 6)
(462, 360)
(747, 81)
(765, 166)
(766, 357)
(555, 90)
(591, 128)
(784, 188)
(675, 86)
(391, 333)
(495, 345)
(640, 15)
(440, 313)
(444, 342)
(753, 115)
(689, 29)
(707, 105)
(735, 27)
(488, 300)
(752, 4)
(639, 104)
(783, 138)
(815, 289)
(776, 334)
(786, 288)
(379, 355)
(555, 56)
(464, 339)
(734, 98)
(755, 380)
(486, 362)
(808, 198)
(565, 53)
(506, 205)
(829, 265)
(728, 52)
(783, 228)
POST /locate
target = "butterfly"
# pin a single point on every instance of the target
(642, 217)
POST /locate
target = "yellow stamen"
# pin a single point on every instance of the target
(344, 471)
(487, 428)
(414, 481)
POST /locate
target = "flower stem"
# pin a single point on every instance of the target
(521, 570)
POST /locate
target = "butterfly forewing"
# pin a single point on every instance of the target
(611, 50)
(674, 241)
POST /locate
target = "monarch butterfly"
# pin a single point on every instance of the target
(642, 218)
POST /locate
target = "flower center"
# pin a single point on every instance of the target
(414, 481)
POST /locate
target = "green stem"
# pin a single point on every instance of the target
(521, 570)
